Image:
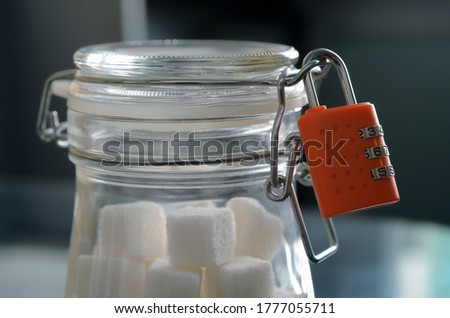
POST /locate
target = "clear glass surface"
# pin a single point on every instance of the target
(177, 133)
(174, 188)
(186, 60)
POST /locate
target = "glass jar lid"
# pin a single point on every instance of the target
(185, 61)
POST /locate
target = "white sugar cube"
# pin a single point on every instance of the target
(136, 230)
(201, 204)
(194, 204)
(242, 277)
(258, 233)
(200, 236)
(99, 277)
(166, 281)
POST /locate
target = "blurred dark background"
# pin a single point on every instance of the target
(397, 52)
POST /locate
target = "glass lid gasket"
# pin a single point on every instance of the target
(185, 60)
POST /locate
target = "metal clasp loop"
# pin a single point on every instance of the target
(48, 125)
(332, 237)
(288, 183)
(281, 192)
(285, 79)
(279, 188)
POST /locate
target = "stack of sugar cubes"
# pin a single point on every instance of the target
(198, 250)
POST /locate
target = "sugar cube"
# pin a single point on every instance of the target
(258, 233)
(242, 277)
(166, 281)
(200, 236)
(196, 203)
(109, 277)
(136, 230)
(202, 204)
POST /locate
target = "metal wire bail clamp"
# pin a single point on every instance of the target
(279, 188)
(48, 125)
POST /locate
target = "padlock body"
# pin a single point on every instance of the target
(349, 161)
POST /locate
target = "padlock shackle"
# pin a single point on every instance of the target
(344, 78)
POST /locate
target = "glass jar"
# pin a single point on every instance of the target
(171, 141)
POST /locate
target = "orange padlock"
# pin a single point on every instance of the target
(345, 149)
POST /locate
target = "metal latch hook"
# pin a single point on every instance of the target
(279, 188)
(48, 125)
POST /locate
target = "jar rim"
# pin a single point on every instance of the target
(185, 60)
